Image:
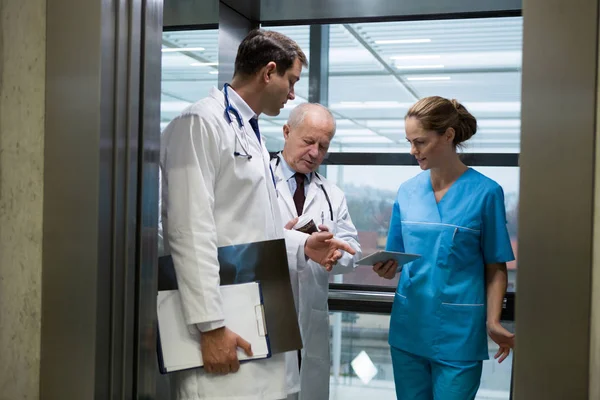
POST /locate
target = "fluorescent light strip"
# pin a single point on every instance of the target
(203, 64)
(416, 57)
(213, 72)
(402, 41)
(432, 66)
(366, 104)
(179, 49)
(428, 78)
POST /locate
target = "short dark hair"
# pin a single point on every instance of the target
(260, 47)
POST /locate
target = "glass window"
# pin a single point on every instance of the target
(189, 69)
(370, 194)
(353, 334)
(378, 70)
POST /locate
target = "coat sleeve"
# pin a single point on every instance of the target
(190, 168)
(294, 243)
(346, 231)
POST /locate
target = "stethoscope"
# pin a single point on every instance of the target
(229, 109)
(278, 160)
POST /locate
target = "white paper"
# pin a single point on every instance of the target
(244, 315)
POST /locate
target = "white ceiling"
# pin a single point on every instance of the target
(477, 61)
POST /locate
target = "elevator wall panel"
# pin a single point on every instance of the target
(556, 199)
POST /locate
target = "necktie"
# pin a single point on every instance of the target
(299, 196)
(254, 125)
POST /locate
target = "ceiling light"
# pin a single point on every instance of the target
(363, 139)
(213, 72)
(366, 104)
(174, 49)
(416, 57)
(428, 78)
(204, 64)
(430, 66)
(402, 41)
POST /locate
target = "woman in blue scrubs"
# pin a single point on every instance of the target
(450, 298)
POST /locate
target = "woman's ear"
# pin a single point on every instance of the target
(449, 135)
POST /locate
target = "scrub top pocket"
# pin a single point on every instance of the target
(465, 247)
(464, 252)
(400, 308)
(464, 265)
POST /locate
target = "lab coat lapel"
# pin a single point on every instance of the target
(312, 191)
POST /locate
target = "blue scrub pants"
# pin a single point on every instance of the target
(419, 378)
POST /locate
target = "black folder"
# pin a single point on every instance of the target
(264, 262)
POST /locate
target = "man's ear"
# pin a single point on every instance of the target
(269, 70)
(286, 131)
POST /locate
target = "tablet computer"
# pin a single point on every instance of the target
(383, 256)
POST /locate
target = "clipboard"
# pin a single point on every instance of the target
(179, 344)
(265, 262)
(383, 256)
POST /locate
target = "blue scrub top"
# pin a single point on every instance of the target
(440, 308)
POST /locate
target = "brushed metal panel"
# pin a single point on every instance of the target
(188, 13)
(92, 156)
(331, 10)
(594, 373)
(146, 369)
(556, 199)
(249, 9)
(70, 239)
(233, 28)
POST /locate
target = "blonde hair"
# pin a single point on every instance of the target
(437, 114)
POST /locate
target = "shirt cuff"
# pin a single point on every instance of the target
(211, 325)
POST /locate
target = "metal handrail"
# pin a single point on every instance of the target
(358, 295)
(360, 298)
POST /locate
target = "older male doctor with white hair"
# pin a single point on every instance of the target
(304, 193)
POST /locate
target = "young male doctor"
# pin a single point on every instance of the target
(304, 192)
(218, 190)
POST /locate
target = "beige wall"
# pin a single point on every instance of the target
(22, 91)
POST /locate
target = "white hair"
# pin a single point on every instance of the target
(299, 112)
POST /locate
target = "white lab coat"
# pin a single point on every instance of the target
(313, 279)
(211, 198)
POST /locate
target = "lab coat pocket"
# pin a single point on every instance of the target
(331, 226)
(463, 332)
(316, 340)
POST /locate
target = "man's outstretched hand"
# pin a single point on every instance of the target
(324, 249)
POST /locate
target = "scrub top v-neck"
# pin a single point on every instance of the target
(439, 308)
